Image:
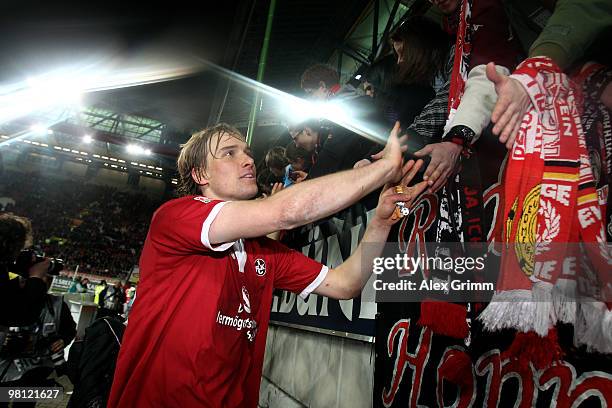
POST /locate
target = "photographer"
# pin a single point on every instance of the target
(29, 363)
(21, 297)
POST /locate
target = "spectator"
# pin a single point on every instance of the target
(21, 297)
(485, 37)
(55, 330)
(276, 161)
(566, 38)
(72, 221)
(98, 289)
(337, 148)
(421, 49)
(299, 164)
(111, 300)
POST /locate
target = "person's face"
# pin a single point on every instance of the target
(306, 139)
(277, 171)
(298, 165)
(398, 47)
(230, 173)
(447, 7)
(318, 94)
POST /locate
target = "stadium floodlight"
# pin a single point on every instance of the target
(38, 128)
(87, 139)
(138, 150)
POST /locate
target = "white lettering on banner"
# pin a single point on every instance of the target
(324, 302)
(315, 305)
(287, 302)
(543, 269)
(569, 266)
(558, 192)
(588, 216)
(347, 308)
(309, 306)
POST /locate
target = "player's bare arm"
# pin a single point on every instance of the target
(308, 201)
(348, 279)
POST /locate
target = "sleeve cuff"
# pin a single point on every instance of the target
(206, 228)
(315, 283)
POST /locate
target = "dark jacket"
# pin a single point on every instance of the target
(91, 363)
(20, 306)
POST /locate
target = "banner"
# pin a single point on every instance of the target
(330, 242)
(415, 367)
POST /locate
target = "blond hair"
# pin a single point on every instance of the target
(194, 155)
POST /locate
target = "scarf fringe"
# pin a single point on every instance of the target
(606, 326)
(592, 328)
(521, 309)
(564, 300)
(509, 309)
(544, 314)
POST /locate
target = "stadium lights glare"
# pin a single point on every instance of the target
(38, 128)
(301, 110)
(139, 150)
(64, 86)
(87, 139)
(349, 119)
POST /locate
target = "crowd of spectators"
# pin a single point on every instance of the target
(100, 229)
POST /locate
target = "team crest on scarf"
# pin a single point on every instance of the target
(550, 175)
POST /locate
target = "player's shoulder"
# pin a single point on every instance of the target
(267, 246)
(176, 206)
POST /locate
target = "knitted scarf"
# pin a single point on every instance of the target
(456, 320)
(550, 202)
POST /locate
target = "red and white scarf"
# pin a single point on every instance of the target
(455, 323)
(551, 201)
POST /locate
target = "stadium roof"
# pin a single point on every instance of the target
(38, 38)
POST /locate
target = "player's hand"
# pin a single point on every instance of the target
(444, 161)
(512, 104)
(392, 154)
(389, 196)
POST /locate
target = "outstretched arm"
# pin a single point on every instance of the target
(310, 200)
(348, 279)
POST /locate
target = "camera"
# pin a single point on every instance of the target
(29, 257)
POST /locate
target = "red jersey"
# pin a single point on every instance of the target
(197, 331)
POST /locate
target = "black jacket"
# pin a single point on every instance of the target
(20, 306)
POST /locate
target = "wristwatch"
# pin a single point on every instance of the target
(462, 136)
